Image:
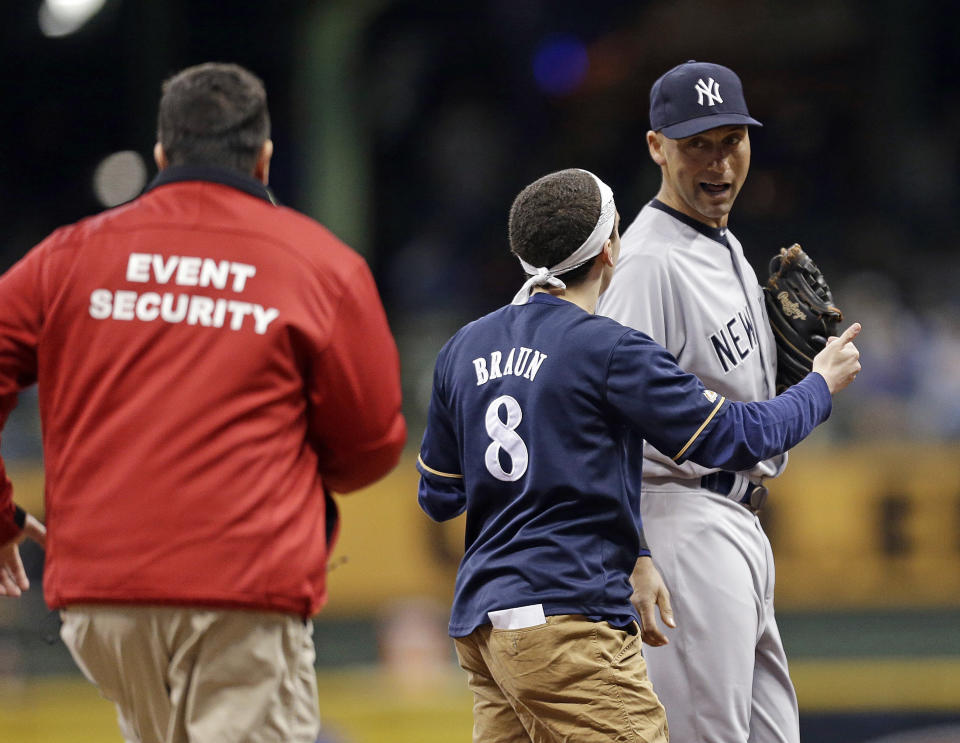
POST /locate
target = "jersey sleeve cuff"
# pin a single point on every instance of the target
(822, 392)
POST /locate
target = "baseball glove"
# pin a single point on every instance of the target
(801, 311)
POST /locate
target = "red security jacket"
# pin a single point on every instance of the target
(210, 366)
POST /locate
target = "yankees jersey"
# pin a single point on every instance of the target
(690, 288)
(534, 429)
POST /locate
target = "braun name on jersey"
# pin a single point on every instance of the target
(516, 364)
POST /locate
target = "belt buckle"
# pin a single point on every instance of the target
(754, 498)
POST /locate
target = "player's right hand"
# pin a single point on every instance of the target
(650, 592)
(839, 362)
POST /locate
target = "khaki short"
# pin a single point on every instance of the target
(567, 680)
(180, 675)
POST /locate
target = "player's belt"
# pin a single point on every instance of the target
(723, 483)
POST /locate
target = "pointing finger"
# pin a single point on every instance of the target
(850, 333)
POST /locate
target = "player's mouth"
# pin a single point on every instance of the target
(714, 188)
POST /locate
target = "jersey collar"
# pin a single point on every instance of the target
(717, 234)
(545, 298)
(223, 176)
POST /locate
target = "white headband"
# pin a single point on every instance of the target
(542, 276)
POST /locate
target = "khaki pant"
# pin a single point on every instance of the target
(180, 675)
(567, 680)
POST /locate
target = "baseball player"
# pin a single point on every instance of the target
(534, 430)
(682, 279)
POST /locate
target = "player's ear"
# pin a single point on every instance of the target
(262, 170)
(655, 145)
(607, 258)
(160, 157)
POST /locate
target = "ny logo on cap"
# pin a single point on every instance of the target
(710, 89)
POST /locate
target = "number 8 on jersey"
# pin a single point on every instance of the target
(505, 437)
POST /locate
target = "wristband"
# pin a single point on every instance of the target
(19, 517)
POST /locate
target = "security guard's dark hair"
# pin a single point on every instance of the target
(552, 217)
(214, 114)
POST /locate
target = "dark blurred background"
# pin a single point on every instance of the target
(408, 127)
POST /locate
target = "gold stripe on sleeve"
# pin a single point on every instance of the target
(699, 430)
(438, 473)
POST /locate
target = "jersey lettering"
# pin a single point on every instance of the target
(748, 326)
(735, 338)
(506, 439)
(171, 314)
(495, 365)
(722, 348)
(535, 363)
(148, 306)
(480, 366)
(508, 367)
(193, 309)
(200, 312)
(188, 270)
(123, 305)
(521, 362)
(734, 341)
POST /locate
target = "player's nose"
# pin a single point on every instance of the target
(717, 166)
(717, 158)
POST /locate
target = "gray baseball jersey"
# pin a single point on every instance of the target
(723, 677)
(680, 284)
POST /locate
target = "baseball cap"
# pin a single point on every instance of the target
(696, 96)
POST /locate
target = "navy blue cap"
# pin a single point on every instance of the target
(696, 96)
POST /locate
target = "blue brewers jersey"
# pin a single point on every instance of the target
(535, 429)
